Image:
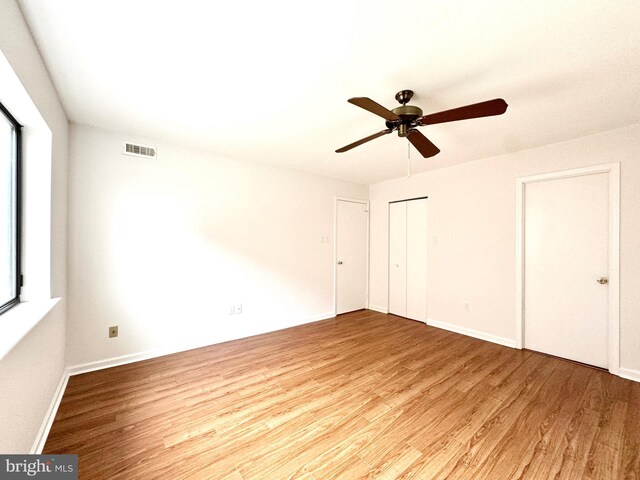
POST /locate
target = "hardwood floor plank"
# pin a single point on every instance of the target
(630, 456)
(361, 396)
(515, 449)
(334, 457)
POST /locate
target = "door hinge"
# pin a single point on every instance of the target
(22, 280)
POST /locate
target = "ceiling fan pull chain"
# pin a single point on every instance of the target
(408, 158)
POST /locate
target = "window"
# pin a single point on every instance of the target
(9, 210)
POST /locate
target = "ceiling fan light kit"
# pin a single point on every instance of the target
(405, 118)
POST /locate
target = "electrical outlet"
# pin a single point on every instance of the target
(113, 331)
(232, 310)
(467, 306)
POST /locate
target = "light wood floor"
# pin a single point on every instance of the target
(364, 395)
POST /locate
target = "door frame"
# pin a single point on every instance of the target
(613, 172)
(335, 249)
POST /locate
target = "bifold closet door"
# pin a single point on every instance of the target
(408, 259)
(398, 258)
(417, 259)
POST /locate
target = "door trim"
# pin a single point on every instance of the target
(613, 172)
(335, 249)
(408, 199)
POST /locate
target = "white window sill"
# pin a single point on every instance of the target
(17, 322)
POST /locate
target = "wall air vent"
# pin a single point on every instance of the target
(138, 150)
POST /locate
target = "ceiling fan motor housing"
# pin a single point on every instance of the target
(408, 115)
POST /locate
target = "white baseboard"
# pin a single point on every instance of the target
(43, 433)
(171, 349)
(507, 342)
(317, 318)
(45, 428)
(376, 308)
(121, 360)
(630, 374)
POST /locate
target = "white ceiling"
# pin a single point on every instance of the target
(268, 81)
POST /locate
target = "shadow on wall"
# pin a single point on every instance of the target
(174, 271)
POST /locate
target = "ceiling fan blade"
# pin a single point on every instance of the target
(373, 107)
(496, 106)
(422, 143)
(364, 140)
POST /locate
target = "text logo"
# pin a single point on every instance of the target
(50, 467)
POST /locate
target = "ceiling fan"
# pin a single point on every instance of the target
(406, 118)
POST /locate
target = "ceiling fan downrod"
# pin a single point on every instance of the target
(404, 96)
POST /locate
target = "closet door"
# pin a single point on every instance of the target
(398, 258)
(416, 282)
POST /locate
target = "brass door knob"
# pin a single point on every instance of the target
(603, 280)
(339, 262)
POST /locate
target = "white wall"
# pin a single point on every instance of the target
(30, 374)
(472, 216)
(163, 247)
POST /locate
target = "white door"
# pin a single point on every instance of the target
(566, 253)
(352, 227)
(417, 259)
(398, 258)
(408, 259)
